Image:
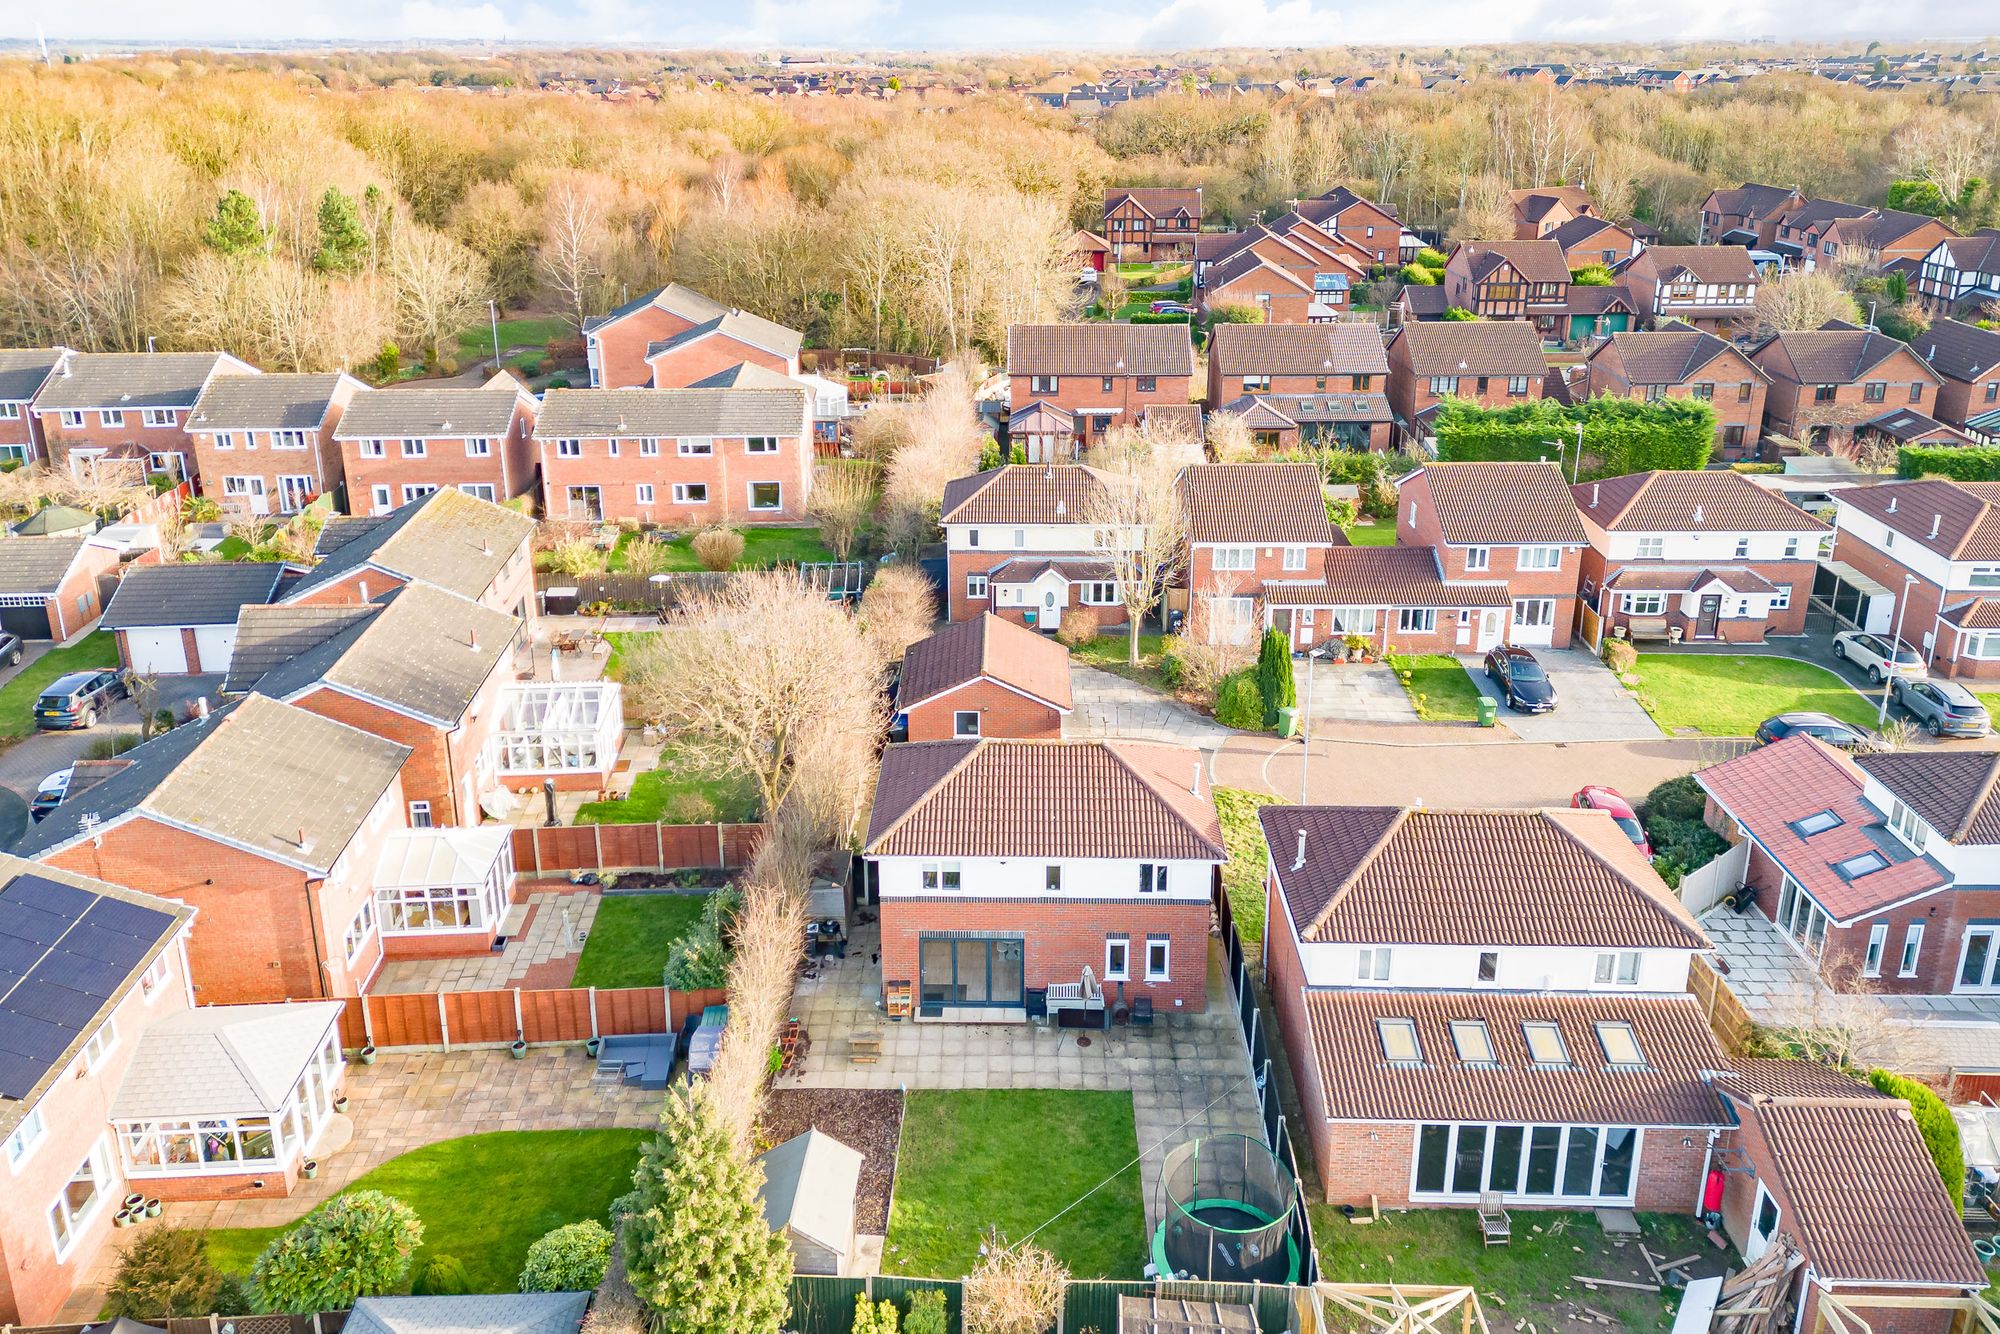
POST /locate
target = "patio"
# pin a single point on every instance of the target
(545, 938)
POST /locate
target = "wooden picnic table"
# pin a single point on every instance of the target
(865, 1046)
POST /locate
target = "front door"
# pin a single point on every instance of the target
(1710, 614)
(1052, 610)
(1302, 629)
(1492, 623)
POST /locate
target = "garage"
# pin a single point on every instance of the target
(159, 609)
(155, 652)
(25, 615)
(214, 644)
(39, 575)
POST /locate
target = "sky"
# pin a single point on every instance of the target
(938, 25)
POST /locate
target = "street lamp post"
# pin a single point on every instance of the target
(1305, 733)
(1895, 642)
(1561, 447)
(493, 314)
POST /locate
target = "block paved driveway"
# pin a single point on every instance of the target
(1590, 703)
(1105, 705)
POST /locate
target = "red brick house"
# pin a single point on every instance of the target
(1966, 359)
(698, 335)
(466, 546)
(1019, 542)
(1069, 384)
(399, 445)
(1678, 361)
(1146, 224)
(733, 338)
(1247, 279)
(1712, 288)
(1513, 522)
(1592, 240)
(1827, 231)
(1240, 268)
(1396, 598)
(1373, 232)
(1711, 555)
(1511, 280)
(264, 444)
(1451, 1037)
(677, 457)
(986, 677)
(1495, 364)
(1003, 883)
(1960, 275)
(1931, 551)
(1250, 526)
(1318, 385)
(23, 372)
(1539, 210)
(1826, 382)
(53, 587)
(1746, 215)
(127, 410)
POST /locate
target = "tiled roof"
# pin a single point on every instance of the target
(1976, 254)
(340, 529)
(1157, 200)
(1814, 211)
(1966, 514)
(1359, 1083)
(1710, 501)
(989, 646)
(22, 371)
(1753, 200)
(1670, 355)
(1704, 263)
(1183, 417)
(1416, 876)
(1385, 577)
(209, 593)
(1024, 493)
(1954, 791)
(1503, 503)
(1472, 347)
(1684, 578)
(507, 1313)
(1099, 349)
(266, 402)
(1959, 351)
(1285, 411)
(1535, 201)
(1262, 503)
(991, 798)
(1974, 614)
(743, 327)
(268, 637)
(36, 564)
(1244, 263)
(685, 302)
(1583, 300)
(1536, 261)
(379, 414)
(625, 413)
(1771, 789)
(447, 538)
(1907, 425)
(1790, 1077)
(1027, 569)
(223, 1060)
(134, 379)
(746, 375)
(1826, 356)
(1578, 230)
(1298, 349)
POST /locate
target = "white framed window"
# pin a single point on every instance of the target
(1478, 558)
(420, 815)
(1983, 576)
(417, 491)
(1645, 604)
(72, 417)
(367, 449)
(102, 1043)
(154, 979)
(1152, 878)
(1913, 945)
(1878, 939)
(242, 486)
(569, 449)
(416, 449)
(1117, 959)
(479, 490)
(224, 441)
(1539, 558)
(696, 447)
(358, 930)
(1044, 384)
(1530, 1163)
(642, 493)
(80, 1199)
(1907, 823)
(1372, 964)
(1416, 620)
(1295, 559)
(111, 417)
(649, 448)
(478, 447)
(1534, 613)
(611, 446)
(1052, 877)
(288, 439)
(1159, 952)
(1234, 558)
(160, 417)
(767, 495)
(1781, 599)
(975, 585)
(761, 444)
(1617, 968)
(249, 440)
(690, 493)
(1100, 593)
(1981, 644)
(1489, 966)
(942, 876)
(1020, 539)
(411, 911)
(965, 722)
(382, 498)
(28, 1134)
(10, 411)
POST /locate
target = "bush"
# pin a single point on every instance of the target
(1590, 275)
(356, 1245)
(560, 382)
(1416, 275)
(571, 1258)
(1432, 259)
(442, 1276)
(1159, 317)
(387, 362)
(1341, 512)
(700, 959)
(1934, 1123)
(1967, 463)
(114, 744)
(1459, 315)
(873, 1317)
(166, 1272)
(1274, 675)
(1682, 842)
(926, 1314)
(1620, 435)
(1235, 313)
(717, 548)
(1620, 656)
(1191, 663)
(1239, 703)
(1075, 632)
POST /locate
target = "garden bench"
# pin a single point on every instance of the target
(1647, 627)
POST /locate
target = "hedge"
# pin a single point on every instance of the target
(1934, 1123)
(1962, 463)
(1620, 435)
(1159, 317)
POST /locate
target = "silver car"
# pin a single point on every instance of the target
(1878, 655)
(1942, 708)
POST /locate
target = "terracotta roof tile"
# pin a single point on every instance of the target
(989, 646)
(1473, 347)
(1298, 349)
(1024, 493)
(1966, 514)
(1263, 503)
(1385, 577)
(1503, 503)
(1678, 502)
(1789, 1077)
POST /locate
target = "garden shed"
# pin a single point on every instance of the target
(808, 1194)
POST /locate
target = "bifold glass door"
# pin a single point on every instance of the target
(971, 972)
(1527, 1162)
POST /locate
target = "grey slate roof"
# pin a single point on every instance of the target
(134, 379)
(22, 371)
(1959, 351)
(268, 637)
(599, 413)
(503, 1313)
(746, 375)
(203, 594)
(809, 1186)
(265, 402)
(223, 1060)
(257, 773)
(446, 538)
(392, 413)
(36, 564)
(340, 529)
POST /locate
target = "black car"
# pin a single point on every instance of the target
(1822, 725)
(76, 700)
(1523, 683)
(11, 649)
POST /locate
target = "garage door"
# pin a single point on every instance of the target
(156, 651)
(215, 644)
(25, 616)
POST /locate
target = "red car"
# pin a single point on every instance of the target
(1596, 798)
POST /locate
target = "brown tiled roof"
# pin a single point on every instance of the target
(1952, 790)
(1826, 356)
(1771, 789)
(1472, 347)
(1241, 265)
(989, 646)
(1682, 578)
(1967, 514)
(1027, 569)
(993, 798)
(1416, 876)
(1358, 1083)
(1710, 501)
(1536, 200)
(1099, 349)
(1977, 253)
(1908, 425)
(1536, 261)
(1705, 263)
(1264, 503)
(1789, 1077)
(1670, 355)
(1959, 351)
(1578, 230)
(1583, 300)
(1503, 503)
(1158, 200)
(1975, 614)
(1298, 349)
(1385, 577)
(1752, 199)
(1185, 417)
(1023, 493)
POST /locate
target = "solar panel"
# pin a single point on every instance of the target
(36, 891)
(18, 1074)
(41, 998)
(26, 1036)
(33, 924)
(129, 919)
(89, 941)
(18, 953)
(94, 977)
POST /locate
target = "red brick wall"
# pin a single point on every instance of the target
(1791, 409)
(428, 775)
(320, 459)
(1560, 583)
(684, 365)
(1226, 385)
(622, 346)
(1063, 937)
(511, 469)
(77, 603)
(22, 430)
(1410, 393)
(726, 473)
(1074, 392)
(1287, 304)
(1956, 399)
(361, 586)
(1360, 1159)
(1352, 227)
(1003, 713)
(1919, 618)
(60, 439)
(1791, 621)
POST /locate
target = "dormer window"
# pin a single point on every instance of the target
(1907, 824)
(1545, 1042)
(1399, 1041)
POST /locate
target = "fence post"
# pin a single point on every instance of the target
(367, 1020)
(597, 838)
(593, 1013)
(721, 849)
(444, 1022)
(520, 1029)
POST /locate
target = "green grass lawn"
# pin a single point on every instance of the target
(535, 332)
(1014, 1158)
(17, 697)
(762, 547)
(1720, 694)
(1991, 700)
(1377, 534)
(1243, 875)
(484, 1198)
(631, 936)
(1438, 686)
(1531, 1273)
(1110, 651)
(667, 793)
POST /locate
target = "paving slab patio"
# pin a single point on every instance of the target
(545, 938)
(1106, 705)
(1352, 692)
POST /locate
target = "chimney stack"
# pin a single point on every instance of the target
(1299, 860)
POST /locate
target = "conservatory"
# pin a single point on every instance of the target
(444, 880)
(554, 728)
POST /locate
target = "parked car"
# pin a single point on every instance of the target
(1822, 725)
(1599, 798)
(1942, 708)
(49, 795)
(1877, 656)
(76, 700)
(1523, 683)
(11, 649)
(1170, 308)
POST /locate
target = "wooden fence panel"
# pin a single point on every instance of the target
(480, 1016)
(739, 843)
(1726, 1014)
(406, 1021)
(628, 845)
(353, 1028)
(555, 1015)
(685, 1004)
(632, 1010)
(645, 847)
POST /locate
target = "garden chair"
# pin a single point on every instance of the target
(1495, 1227)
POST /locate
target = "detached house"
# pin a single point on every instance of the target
(1961, 274)
(1322, 385)
(1826, 382)
(1512, 522)
(1966, 359)
(23, 372)
(1542, 209)
(1826, 231)
(1025, 877)
(1372, 232)
(1145, 224)
(1298, 276)
(1511, 280)
(127, 410)
(1591, 240)
(1711, 288)
(1069, 384)
(1250, 527)
(399, 445)
(1020, 542)
(680, 334)
(1698, 555)
(1746, 215)
(1937, 543)
(986, 677)
(733, 338)
(470, 547)
(1452, 1037)
(1677, 361)
(264, 444)
(1494, 363)
(677, 456)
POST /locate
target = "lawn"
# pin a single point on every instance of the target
(1243, 876)
(677, 793)
(1110, 651)
(1720, 694)
(762, 547)
(631, 936)
(535, 332)
(1015, 1158)
(18, 696)
(1371, 534)
(484, 1198)
(1531, 1274)
(1991, 700)
(1438, 686)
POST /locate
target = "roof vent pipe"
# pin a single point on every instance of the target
(1299, 861)
(1196, 789)
(1593, 495)
(1697, 512)
(1936, 519)
(1892, 504)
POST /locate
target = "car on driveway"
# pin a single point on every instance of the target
(49, 794)
(1170, 308)
(1877, 656)
(76, 700)
(1524, 685)
(11, 649)
(1822, 725)
(1608, 800)
(1942, 708)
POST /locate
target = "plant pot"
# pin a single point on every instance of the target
(309, 1169)
(592, 1047)
(368, 1055)
(123, 1218)
(340, 1104)
(134, 1200)
(518, 1050)
(154, 1207)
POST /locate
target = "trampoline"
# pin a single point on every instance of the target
(1225, 1213)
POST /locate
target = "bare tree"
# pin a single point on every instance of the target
(1803, 299)
(1229, 438)
(768, 941)
(1015, 1290)
(1849, 1029)
(1139, 526)
(897, 610)
(438, 285)
(843, 500)
(571, 257)
(945, 440)
(1943, 148)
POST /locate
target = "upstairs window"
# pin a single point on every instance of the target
(1620, 1043)
(1373, 965)
(415, 449)
(1545, 1042)
(1399, 1041)
(1474, 1043)
(1618, 968)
